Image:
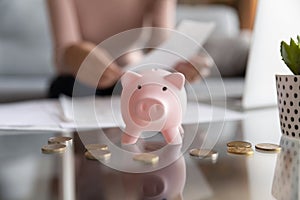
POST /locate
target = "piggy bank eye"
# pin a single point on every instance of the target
(164, 88)
(139, 87)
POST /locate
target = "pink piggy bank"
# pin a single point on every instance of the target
(153, 100)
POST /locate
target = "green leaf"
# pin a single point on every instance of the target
(291, 55)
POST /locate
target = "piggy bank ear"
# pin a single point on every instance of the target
(177, 79)
(129, 77)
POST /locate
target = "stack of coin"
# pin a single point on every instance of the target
(53, 148)
(267, 147)
(204, 153)
(97, 152)
(239, 147)
(57, 145)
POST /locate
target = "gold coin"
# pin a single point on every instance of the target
(97, 154)
(204, 153)
(53, 148)
(268, 147)
(239, 144)
(147, 158)
(60, 140)
(96, 146)
(240, 150)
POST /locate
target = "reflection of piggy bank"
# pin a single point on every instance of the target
(166, 183)
(153, 100)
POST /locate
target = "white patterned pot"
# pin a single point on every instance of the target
(288, 99)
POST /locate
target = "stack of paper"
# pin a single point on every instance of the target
(90, 113)
(32, 115)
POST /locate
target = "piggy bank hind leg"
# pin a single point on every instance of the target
(172, 135)
(130, 136)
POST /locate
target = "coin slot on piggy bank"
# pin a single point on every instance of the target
(153, 100)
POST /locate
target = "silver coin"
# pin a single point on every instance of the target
(268, 147)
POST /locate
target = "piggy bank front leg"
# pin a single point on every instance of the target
(172, 135)
(130, 136)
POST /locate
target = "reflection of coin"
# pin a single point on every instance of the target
(53, 148)
(147, 158)
(268, 147)
(240, 150)
(60, 140)
(239, 144)
(96, 146)
(204, 153)
(97, 154)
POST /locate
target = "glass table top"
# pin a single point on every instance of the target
(26, 173)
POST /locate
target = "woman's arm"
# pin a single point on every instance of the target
(71, 50)
(65, 30)
(162, 15)
(164, 12)
(97, 70)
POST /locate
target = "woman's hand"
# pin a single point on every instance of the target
(110, 76)
(199, 66)
(92, 65)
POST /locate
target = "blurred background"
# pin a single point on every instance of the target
(26, 62)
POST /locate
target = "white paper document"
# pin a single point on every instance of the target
(89, 112)
(31, 115)
(182, 44)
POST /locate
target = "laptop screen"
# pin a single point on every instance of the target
(276, 20)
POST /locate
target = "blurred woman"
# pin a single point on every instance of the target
(79, 26)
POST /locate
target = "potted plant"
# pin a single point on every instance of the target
(288, 90)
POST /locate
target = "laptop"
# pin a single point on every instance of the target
(276, 20)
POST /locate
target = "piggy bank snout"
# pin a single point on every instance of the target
(150, 109)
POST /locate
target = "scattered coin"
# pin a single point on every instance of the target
(96, 146)
(97, 154)
(204, 153)
(53, 148)
(60, 140)
(240, 150)
(268, 147)
(239, 144)
(147, 158)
